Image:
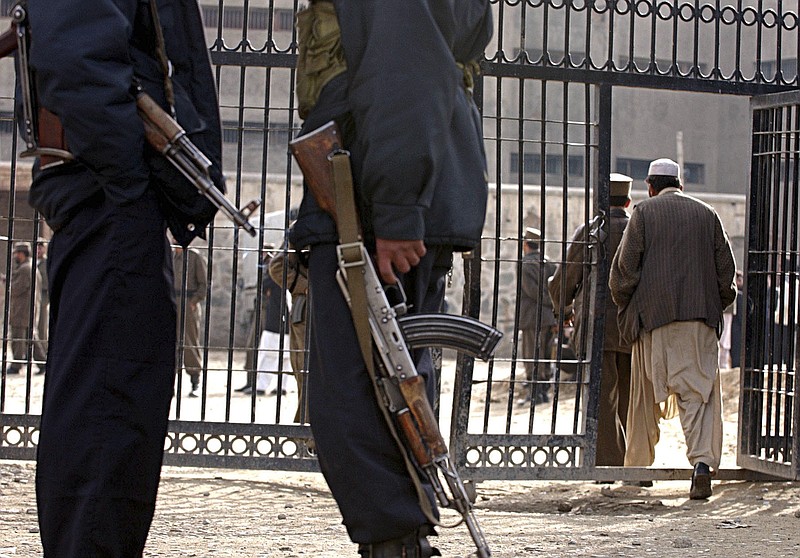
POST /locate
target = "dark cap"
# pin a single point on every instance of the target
(23, 247)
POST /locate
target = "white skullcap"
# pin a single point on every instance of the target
(664, 167)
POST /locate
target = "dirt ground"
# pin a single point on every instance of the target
(224, 513)
(266, 514)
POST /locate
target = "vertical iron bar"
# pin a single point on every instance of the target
(515, 345)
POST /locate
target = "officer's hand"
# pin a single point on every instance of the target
(401, 255)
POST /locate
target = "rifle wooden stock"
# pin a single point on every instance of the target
(311, 152)
(52, 141)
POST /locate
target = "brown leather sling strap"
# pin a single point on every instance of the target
(163, 60)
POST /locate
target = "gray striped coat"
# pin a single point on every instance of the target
(675, 263)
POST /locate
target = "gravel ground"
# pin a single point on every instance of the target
(260, 514)
(266, 514)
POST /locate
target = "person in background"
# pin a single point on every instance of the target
(265, 332)
(296, 280)
(672, 277)
(537, 320)
(23, 311)
(191, 284)
(567, 292)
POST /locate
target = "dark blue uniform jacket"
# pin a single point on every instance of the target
(412, 128)
(84, 74)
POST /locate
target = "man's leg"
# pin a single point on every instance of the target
(691, 357)
(643, 413)
(268, 361)
(544, 374)
(610, 436)
(19, 347)
(702, 428)
(623, 387)
(694, 377)
(358, 455)
(527, 345)
(191, 352)
(109, 384)
(297, 341)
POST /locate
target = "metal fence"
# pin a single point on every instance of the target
(552, 85)
(768, 408)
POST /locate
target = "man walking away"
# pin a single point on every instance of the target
(672, 277)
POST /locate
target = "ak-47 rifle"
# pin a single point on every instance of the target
(44, 134)
(401, 389)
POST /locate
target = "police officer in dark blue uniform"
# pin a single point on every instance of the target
(396, 76)
(111, 361)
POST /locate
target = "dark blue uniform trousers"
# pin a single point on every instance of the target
(357, 453)
(109, 380)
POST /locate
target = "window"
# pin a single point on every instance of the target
(788, 67)
(250, 134)
(233, 17)
(284, 20)
(6, 123)
(635, 168)
(553, 163)
(259, 18)
(693, 173)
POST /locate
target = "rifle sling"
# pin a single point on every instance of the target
(163, 60)
(350, 250)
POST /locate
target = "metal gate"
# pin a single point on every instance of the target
(552, 83)
(549, 91)
(768, 437)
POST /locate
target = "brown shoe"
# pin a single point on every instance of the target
(701, 482)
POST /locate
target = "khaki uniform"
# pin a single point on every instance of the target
(188, 332)
(537, 329)
(297, 285)
(566, 289)
(24, 299)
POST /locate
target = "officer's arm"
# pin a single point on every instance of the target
(626, 267)
(80, 52)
